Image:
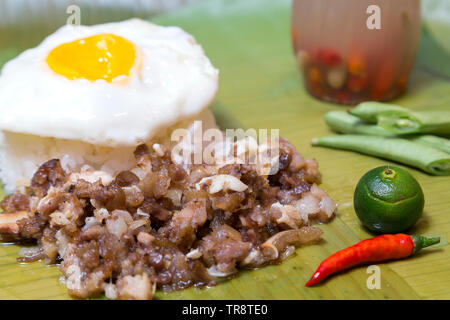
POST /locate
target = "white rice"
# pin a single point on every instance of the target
(21, 154)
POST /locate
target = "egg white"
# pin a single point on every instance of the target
(176, 82)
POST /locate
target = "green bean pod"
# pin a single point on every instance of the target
(440, 143)
(400, 120)
(428, 159)
(343, 122)
(407, 122)
(369, 110)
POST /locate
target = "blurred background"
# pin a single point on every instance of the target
(25, 23)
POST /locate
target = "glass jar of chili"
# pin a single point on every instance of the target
(355, 50)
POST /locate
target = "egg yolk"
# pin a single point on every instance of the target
(103, 56)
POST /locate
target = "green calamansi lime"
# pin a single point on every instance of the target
(388, 199)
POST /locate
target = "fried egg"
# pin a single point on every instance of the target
(115, 84)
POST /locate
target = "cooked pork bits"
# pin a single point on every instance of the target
(165, 225)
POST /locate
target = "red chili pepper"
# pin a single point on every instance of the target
(380, 248)
(329, 57)
(402, 81)
(342, 97)
(356, 83)
(355, 65)
(384, 80)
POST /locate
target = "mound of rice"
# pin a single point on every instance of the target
(21, 154)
